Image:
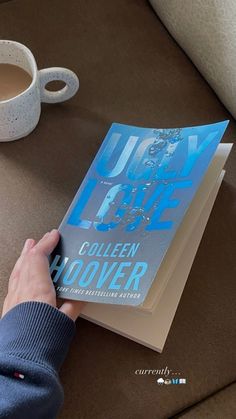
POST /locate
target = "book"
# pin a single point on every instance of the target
(130, 235)
(182, 236)
(151, 330)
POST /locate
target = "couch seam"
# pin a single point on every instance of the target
(189, 408)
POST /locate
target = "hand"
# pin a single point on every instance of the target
(30, 279)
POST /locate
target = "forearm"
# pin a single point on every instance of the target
(34, 340)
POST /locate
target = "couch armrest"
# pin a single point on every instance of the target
(206, 31)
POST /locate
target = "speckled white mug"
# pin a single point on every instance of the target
(19, 115)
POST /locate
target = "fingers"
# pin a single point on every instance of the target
(48, 242)
(29, 244)
(72, 308)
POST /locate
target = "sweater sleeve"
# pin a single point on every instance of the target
(34, 340)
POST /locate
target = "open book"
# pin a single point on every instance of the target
(131, 233)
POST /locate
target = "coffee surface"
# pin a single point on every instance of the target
(13, 81)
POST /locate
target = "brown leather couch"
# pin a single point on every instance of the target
(131, 71)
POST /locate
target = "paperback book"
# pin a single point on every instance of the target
(133, 219)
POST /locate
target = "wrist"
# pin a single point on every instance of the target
(37, 331)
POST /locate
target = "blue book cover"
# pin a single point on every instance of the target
(127, 210)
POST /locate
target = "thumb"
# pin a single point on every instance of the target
(48, 242)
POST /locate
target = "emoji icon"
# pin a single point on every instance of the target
(160, 381)
(175, 381)
(182, 380)
(167, 381)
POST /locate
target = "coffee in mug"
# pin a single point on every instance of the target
(23, 87)
(13, 81)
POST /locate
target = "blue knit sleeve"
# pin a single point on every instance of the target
(34, 340)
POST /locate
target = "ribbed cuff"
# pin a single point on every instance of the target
(37, 332)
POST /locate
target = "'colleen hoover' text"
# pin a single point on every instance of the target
(78, 273)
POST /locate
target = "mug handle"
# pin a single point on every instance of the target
(57, 73)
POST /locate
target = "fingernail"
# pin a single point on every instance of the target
(53, 231)
(28, 244)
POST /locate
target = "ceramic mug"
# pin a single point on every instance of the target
(20, 114)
